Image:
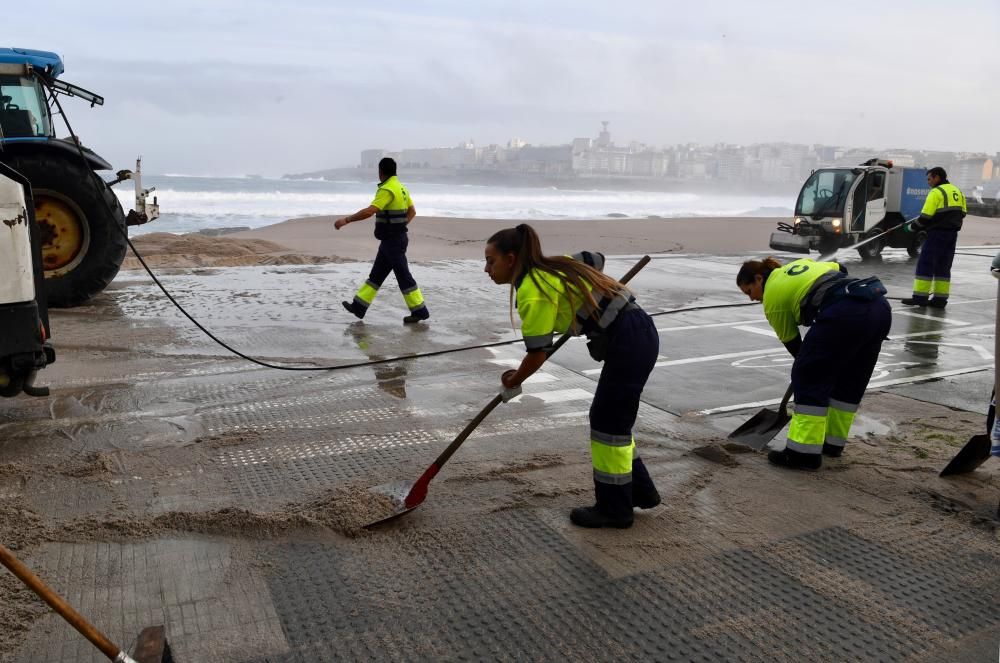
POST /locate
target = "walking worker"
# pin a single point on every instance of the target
(556, 294)
(849, 319)
(393, 210)
(941, 217)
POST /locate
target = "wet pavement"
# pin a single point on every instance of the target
(742, 562)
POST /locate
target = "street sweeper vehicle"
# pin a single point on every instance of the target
(24, 320)
(841, 207)
(83, 240)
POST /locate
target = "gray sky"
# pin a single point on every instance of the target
(269, 87)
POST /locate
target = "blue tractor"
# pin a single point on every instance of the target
(81, 224)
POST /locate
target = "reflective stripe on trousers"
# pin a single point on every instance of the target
(413, 298)
(612, 457)
(832, 370)
(808, 429)
(934, 264)
(839, 418)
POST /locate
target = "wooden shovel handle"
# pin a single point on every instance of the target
(64, 609)
(784, 400)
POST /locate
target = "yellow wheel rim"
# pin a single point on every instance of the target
(63, 234)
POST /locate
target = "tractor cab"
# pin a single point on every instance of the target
(23, 111)
(26, 76)
(81, 222)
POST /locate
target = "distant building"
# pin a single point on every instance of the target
(967, 173)
(370, 158)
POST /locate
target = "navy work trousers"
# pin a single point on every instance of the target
(391, 257)
(937, 254)
(632, 350)
(839, 352)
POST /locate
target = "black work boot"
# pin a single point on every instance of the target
(832, 450)
(914, 301)
(644, 493)
(416, 316)
(795, 460)
(352, 307)
(934, 302)
(646, 500)
(591, 516)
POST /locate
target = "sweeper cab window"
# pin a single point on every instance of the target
(23, 109)
(825, 193)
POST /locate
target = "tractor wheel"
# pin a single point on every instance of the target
(914, 249)
(81, 224)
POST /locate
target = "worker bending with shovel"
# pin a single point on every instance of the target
(848, 320)
(555, 294)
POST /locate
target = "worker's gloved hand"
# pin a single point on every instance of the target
(510, 392)
(598, 346)
(913, 226)
(794, 345)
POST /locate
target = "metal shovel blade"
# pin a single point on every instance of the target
(760, 428)
(763, 426)
(397, 491)
(972, 455)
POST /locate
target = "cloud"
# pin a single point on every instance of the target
(277, 87)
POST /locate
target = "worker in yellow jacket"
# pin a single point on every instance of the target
(848, 320)
(556, 294)
(393, 210)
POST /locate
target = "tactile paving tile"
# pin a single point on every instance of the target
(187, 585)
(292, 470)
(519, 591)
(936, 591)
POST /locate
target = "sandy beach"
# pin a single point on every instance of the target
(314, 239)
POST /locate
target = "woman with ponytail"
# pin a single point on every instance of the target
(849, 319)
(555, 294)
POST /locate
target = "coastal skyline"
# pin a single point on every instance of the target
(253, 87)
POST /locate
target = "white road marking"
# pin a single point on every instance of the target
(938, 332)
(540, 378)
(947, 321)
(706, 326)
(697, 360)
(561, 395)
(871, 386)
(983, 352)
(755, 330)
(970, 301)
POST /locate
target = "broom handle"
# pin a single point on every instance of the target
(64, 609)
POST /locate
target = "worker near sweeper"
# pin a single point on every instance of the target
(848, 320)
(942, 215)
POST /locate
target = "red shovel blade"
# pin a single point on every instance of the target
(405, 495)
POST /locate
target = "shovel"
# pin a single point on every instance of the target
(763, 426)
(408, 496)
(151, 645)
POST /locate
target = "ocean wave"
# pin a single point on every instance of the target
(191, 204)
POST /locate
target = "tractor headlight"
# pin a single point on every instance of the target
(836, 225)
(798, 220)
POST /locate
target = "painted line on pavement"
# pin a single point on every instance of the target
(874, 385)
(948, 321)
(756, 330)
(706, 326)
